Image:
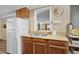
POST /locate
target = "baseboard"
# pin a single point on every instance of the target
(1, 39)
(8, 53)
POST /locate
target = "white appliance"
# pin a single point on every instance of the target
(15, 28)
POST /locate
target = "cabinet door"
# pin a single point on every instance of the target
(18, 13)
(25, 13)
(27, 46)
(57, 49)
(39, 47)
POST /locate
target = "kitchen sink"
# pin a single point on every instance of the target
(39, 35)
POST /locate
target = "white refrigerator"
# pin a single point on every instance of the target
(15, 28)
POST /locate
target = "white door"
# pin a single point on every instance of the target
(11, 41)
(11, 36)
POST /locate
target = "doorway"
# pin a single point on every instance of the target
(2, 36)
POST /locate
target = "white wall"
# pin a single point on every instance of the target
(2, 30)
(64, 18)
(22, 27)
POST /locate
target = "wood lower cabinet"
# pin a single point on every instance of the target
(39, 46)
(27, 45)
(58, 47)
(32, 45)
(56, 50)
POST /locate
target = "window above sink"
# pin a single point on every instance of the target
(43, 19)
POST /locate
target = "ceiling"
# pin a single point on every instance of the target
(5, 9)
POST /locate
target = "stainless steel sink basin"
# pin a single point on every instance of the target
(39, 35)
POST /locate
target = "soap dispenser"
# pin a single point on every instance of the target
(69, 27)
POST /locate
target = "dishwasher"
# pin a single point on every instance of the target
(73, 36)
(74, 44)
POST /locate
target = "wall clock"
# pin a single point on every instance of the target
(58, 11)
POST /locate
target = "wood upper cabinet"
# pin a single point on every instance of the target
(18, 13)
(27, 45)
(39, 46)
(23, 13)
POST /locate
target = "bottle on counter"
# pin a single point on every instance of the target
(38, 26)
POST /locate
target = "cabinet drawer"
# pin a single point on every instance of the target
(57, 43)
(25, 38)
(39, 40)
(25, 41)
